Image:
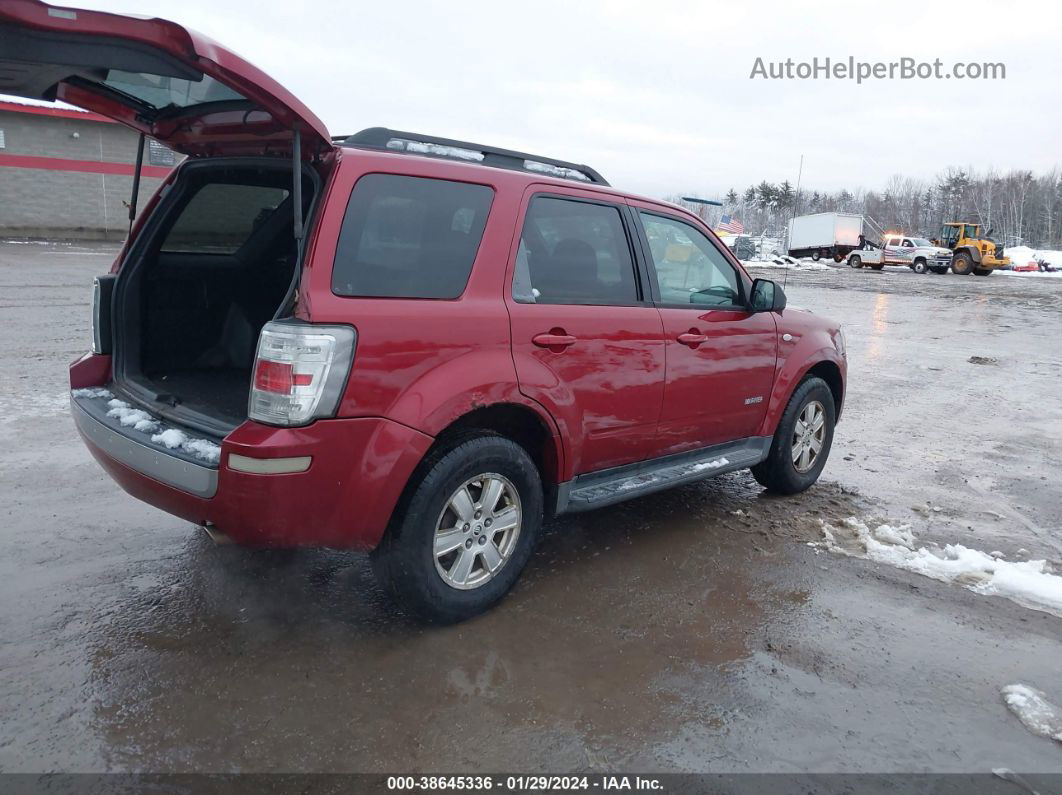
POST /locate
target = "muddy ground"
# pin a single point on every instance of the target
(694, 630)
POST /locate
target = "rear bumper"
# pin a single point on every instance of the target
(199, 480)
(343, 498)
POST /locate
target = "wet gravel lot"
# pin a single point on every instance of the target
(693, 630)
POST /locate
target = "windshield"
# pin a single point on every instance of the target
(161, 92)
(920, 241)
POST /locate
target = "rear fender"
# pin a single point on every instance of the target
(475, 380)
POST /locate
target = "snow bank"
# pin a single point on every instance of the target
(1029, 583)
(1021, 255)
(1033, 709)
(1031, 274)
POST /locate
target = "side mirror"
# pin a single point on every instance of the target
(767, 296)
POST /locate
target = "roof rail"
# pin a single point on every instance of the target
(432, 146)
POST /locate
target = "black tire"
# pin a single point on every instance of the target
(983, 271)
(777, 472)
(878, 266)
(405, 563)
(855, 261)
(919, 266)
(940, 270)
(816, 255)
(838, 258)
(962, 264)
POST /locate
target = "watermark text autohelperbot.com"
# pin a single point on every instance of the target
(860, 71)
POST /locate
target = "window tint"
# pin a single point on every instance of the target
(409, 237)
(220, 217)
(689, 268)
(574, 252)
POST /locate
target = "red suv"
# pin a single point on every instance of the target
(405, 344)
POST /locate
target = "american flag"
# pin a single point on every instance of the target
(732, 225)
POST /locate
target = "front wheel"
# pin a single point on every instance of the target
(461, 538)
(982, 271)
(962, 264)
(919, 266)
(802, 442)
(939, 269)
(855, 261)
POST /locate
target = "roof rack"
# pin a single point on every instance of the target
(432, 146)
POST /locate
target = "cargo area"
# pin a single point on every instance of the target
(214, 264)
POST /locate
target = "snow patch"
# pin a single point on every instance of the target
(1029, 583)
(1036, 713)
(174, 439)
(798, 265)
(140, 420)
(92, 392)
(715, 464)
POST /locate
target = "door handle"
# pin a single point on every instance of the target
(556, 340)
(692, 338)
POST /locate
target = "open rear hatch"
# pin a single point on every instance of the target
(221, 252)
(153, 75)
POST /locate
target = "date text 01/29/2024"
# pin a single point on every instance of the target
(523, 783)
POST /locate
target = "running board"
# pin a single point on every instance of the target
(597, 489)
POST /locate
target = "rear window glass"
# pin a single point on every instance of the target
(409, 237)
(168, 93)
(220, 217)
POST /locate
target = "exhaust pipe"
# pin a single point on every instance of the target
(218, 537)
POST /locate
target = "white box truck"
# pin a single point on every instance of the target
(825, 235)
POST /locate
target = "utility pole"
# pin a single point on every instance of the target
(796, 201)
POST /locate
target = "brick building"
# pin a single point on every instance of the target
(67, 173)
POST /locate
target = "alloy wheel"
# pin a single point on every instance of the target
(809, 433)
(476, 533)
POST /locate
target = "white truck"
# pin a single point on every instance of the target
(917, 253)
(825, 235)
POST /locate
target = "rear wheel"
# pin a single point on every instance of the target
(962, 264)
(855, 261)
(816, 255)
(983, 271)
(463, 535)
(802, 442)
(919, 266)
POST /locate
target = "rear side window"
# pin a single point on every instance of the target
(409, 237)
(220, 217)
(574, 252)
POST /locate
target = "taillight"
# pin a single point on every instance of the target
(102, 287)
(300, 372)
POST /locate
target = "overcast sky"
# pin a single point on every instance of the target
(656, 95)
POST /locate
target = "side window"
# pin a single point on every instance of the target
(689, 268)
(409, 237)
(574, 252)
(907, 243)
(220, 217)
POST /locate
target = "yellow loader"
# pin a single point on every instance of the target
(972, 252)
